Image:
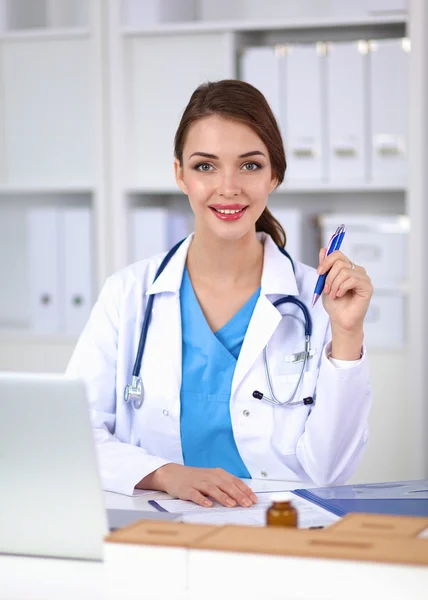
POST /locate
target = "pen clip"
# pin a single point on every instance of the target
(333, 237)
(339, 231)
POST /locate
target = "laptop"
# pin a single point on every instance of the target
(51, 503)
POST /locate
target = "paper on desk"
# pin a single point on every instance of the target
(310, 515)
(142, 492)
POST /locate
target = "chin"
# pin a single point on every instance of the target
(232, 233)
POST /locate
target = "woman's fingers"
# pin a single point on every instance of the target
(227, 492)
(246, 490)
(198, 498)
(339, 271)
(202, 486)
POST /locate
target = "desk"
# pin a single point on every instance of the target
(24, 578)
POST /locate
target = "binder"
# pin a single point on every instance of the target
(150, 232)
(347, 111)
(260, 67)
(179, 227)
(389, 62)
(44, 266)
(390, 498)
(303, 111)
(14, 309)
(77, 255)
(292, 221)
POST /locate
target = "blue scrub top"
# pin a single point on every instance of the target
(208, 365)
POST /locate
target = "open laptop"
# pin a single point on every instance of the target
(51, 502)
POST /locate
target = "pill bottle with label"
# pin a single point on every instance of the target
(281, 513)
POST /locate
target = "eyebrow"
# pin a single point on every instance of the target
(213, 156)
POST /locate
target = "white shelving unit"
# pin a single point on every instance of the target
(138, 80)
(53, 150)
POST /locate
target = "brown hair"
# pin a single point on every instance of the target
(240, 101)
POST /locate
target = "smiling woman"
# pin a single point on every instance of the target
(232, 115)
(201, 424)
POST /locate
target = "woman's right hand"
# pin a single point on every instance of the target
(200, 485)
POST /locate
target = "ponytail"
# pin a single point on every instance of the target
(267, 223)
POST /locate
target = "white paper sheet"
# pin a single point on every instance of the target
(309, 514)
(141, 493)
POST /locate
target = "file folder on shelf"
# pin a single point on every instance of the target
(150, 232)
(347, 111)
(76, 226)
(44, 270)
(391, 498)
(260, 67)
(389, 64)
(303, 120)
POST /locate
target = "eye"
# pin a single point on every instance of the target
(252, 166)
(203, 167)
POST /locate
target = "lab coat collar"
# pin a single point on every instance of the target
(277, 277)
(170, 278)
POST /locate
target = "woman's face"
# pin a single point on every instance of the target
(226, 173)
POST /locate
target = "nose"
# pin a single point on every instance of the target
(228, 185)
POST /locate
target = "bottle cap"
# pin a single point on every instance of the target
(282, 497)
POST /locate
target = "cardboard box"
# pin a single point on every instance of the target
(151, 556)
(374, 538)
(381, 526)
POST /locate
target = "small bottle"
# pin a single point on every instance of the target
(281, 512)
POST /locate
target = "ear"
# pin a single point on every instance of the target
(178, 170)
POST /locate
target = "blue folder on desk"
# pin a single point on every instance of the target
(392, 498)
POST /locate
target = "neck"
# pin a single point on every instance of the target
(212, 259)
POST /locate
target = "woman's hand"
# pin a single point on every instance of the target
(346, 297)
(200, 485)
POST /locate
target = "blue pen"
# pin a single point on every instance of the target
(334, 244)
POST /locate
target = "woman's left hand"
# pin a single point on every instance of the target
(347, 291)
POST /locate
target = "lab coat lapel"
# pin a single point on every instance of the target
(263, 324)
(168, 320)
(277, 280)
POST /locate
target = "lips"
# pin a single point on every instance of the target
(228, 212)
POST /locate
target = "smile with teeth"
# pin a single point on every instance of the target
(228, 211)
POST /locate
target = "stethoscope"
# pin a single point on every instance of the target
(134, 393)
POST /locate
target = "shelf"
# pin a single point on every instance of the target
(44, 34)
(27, 337)
(254, 26)
(304, 187)
(46, 189)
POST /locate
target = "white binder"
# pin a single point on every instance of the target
(150, 232)
(389, 61)
(179, 226)
(303, 113)
(347, 111)
(260, 67)
(291, 219)
(77, 268)
(44, 264)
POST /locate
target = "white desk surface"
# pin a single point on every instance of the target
(28, 578)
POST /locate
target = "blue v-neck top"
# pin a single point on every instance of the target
(208, 365)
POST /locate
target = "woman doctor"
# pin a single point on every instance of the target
(200, 429)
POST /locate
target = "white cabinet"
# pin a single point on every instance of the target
(48, 112)
(161, 73)
(91, 95)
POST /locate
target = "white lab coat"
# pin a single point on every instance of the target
(322, 443)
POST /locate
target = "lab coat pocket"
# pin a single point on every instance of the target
(290, 421)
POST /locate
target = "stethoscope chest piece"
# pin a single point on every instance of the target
(134, 392)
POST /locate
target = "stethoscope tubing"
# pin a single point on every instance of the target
(134, 393)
